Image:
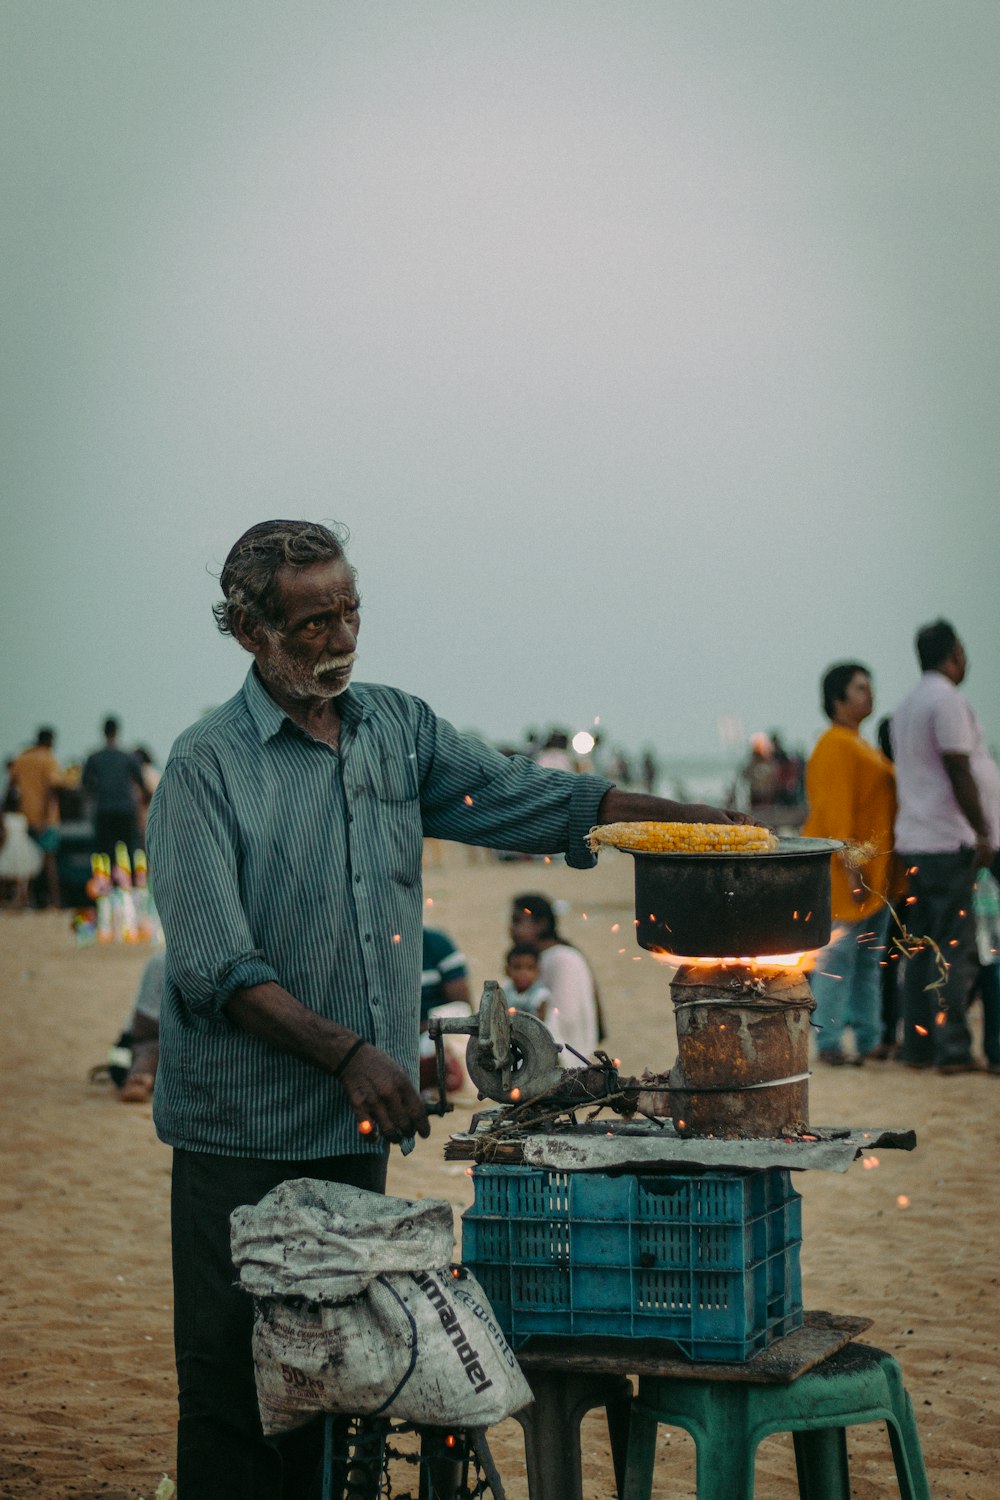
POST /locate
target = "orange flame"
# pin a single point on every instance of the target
(800, 963)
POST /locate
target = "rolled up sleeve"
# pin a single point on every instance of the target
(193, 843)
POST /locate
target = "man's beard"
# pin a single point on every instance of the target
(298, 680)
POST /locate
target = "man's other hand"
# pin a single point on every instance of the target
(380, 1092)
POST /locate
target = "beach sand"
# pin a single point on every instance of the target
(87, 1377)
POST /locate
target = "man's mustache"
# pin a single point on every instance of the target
(336, 664)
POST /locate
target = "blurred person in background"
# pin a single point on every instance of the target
(947, 829)
(444, 990)
(523, 985)
(35, 777)
(150, 781)
(572, 1014)
(850, 787)
(113, 782)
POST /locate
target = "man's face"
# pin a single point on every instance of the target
(858, 697)
(313, 653)
(961, 663)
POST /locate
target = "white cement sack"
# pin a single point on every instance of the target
(414, 1342)
(326, 1241)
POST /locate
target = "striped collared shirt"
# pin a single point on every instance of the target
(276, 858)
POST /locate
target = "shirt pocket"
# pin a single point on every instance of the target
(397, 797)
(397, 779)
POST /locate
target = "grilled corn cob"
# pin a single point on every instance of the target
(683, 838)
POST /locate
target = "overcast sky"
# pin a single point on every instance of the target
(649, 350)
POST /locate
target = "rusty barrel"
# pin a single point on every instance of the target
(740, 1030)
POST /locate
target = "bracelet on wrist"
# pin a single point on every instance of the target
(348, 1055)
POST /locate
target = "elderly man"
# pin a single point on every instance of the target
(851, 793)
(947, 828)
(285, 842)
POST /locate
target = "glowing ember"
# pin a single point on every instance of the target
(941, 1017)
(869, 1162)
(920, 1030)
(365, 1127)
(396, 938)
(902, 1201)
(467, 800)
(515, 1094)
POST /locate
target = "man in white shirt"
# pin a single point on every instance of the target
(947, 828)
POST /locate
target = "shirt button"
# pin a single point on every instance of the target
(368, 937)
(374, 999)
(357, 880)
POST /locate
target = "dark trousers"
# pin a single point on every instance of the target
(222, 1453)
(939, 908)
(111, 828)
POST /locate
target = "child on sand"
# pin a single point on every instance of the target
(523, 986)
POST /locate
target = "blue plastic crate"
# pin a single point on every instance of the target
(710, 1262)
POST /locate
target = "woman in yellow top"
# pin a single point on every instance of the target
(851, 791)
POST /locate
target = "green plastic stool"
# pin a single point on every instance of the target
(728, 1418)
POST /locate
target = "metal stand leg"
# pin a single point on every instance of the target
(551, 1428)
(821, 1464)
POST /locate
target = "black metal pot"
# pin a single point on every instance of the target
(735, 905)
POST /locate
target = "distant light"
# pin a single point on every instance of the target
(583, 742)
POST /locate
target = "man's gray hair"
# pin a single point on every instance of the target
(249, 576)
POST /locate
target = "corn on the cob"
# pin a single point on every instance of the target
(683, 838)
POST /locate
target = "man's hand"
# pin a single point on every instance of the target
(379, 1091)
(638, 807)
(985, 854)
(701, 812)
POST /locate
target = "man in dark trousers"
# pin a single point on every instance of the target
(948, 793)
(113, 780)
(285, 847)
